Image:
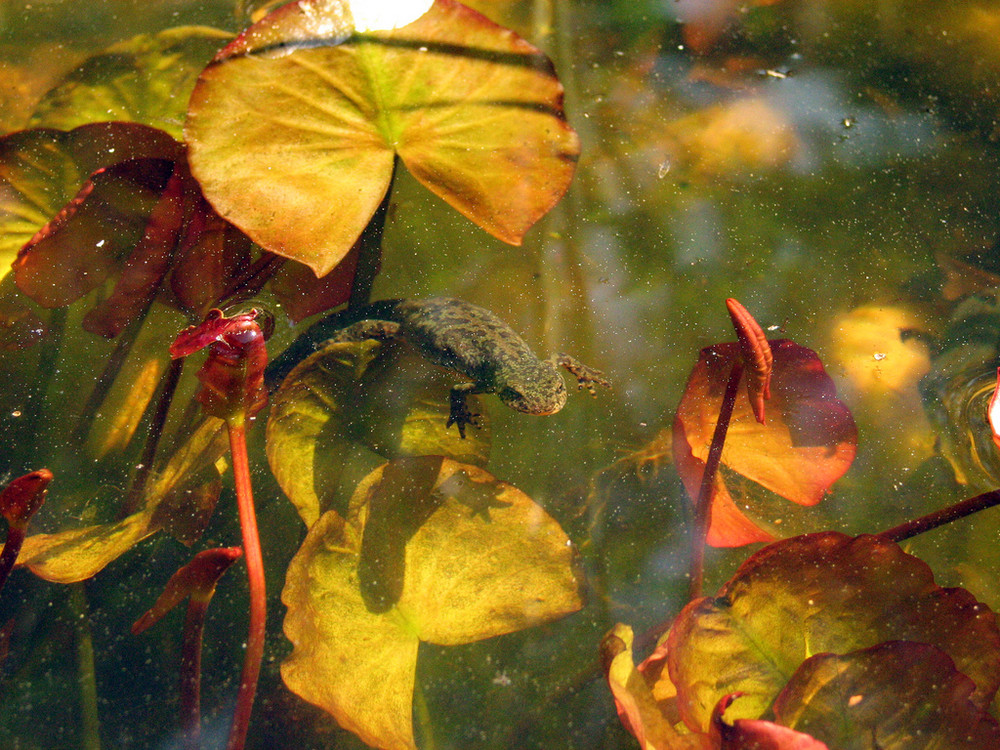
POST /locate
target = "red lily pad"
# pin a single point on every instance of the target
(638, 707)
(897, 695)
(42, 170)
(820, 593)
(295, 126)
(807, 444)
(756, 734)
(80, 247)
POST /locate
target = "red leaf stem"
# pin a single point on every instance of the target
(258, 594)
(196, 580)
(703, 506)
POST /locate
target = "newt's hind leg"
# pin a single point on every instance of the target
(586, 377)
(460, 414)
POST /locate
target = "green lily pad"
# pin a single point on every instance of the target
(820, 593)
(176, 500)
(146, 79)
(295, 126)
(456, 577)
(377, 396)
(898, 695)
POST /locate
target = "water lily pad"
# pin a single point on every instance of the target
(637, 706)
(295, 126)
(808, 442)
(75, 554)
(377, 396)
(42, 170)
(146, 79)
(814, 594)
(898, 695)
(459, 577)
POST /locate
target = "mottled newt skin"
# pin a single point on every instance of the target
(461, 337)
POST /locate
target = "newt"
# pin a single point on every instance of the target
(460, 336)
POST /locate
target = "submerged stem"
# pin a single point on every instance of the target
(703, 504)
(91, 731)
(370, 250)
(941, 517)
(194, 626)
(255, 576)
(11, 549)
(113, 366)
(159, 419)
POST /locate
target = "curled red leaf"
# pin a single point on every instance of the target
(757, 356)
(22, 498)
(197, 579)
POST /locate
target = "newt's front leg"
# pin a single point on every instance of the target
(460, 414)
(586, 377)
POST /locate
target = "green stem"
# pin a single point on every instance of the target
(370, 248)
(91, 739)
(703, 504)
(107, 378)
(155, 432)
(255, 576)
(944, 516)
(424, 723)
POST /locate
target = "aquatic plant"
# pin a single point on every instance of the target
(274, 185)
(817, 639)
(149, 213)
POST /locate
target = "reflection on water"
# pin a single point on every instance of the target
(826, 163)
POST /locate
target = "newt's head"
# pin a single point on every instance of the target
(539, 391)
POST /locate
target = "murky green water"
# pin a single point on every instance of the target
(832, 165)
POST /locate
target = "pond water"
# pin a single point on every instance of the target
(833, 165)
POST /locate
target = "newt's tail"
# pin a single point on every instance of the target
(320, 331)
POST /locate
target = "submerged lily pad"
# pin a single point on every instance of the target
(42, 170)
(177, 499)
(820, 593)
(898, 695)
(146, 79)
(457, 575)
(295, 126)
(372, 395)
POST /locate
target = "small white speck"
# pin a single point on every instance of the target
(502, 679)
(879, 356)
(101, 243)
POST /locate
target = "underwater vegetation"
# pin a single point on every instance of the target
(436, 543)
